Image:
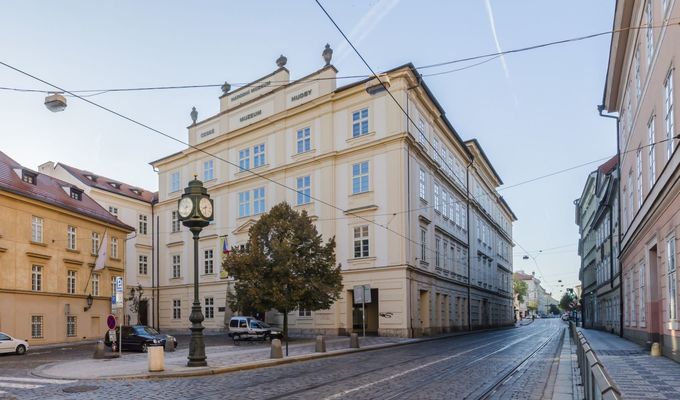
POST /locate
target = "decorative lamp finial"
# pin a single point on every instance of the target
(281, 61)
(194, 115)
(327, 54)
(226, 87)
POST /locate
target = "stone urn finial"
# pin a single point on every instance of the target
(194, 115)
(281, 61)
(226, 87)
(327, 54)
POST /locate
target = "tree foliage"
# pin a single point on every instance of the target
(285, 266)
(532, 306)
(520, 289)
(568, 300)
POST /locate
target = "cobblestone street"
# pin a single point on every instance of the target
(469, 366)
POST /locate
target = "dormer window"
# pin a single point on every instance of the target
(136, 191)
(76, 194)
(29, 177)
(91, 177)
(115, 185)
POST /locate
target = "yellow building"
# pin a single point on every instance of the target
(413, 208)
(50, 232)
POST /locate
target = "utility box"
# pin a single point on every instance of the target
(156, 357)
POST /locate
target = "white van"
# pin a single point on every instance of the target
(249, 328)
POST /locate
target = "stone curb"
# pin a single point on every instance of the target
(205, 371)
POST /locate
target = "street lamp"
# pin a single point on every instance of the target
(195, 210)
(55, 102)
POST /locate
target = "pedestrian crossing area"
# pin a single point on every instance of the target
(8, 383)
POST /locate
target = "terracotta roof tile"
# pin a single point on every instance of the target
(52, 191)
(111, 185)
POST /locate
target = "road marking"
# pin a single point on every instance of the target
(36, 380)
(18, 385)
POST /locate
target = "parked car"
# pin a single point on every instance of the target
(139, 338)
(249, 328)
(9, 344)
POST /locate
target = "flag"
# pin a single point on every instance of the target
(225, 245)
(102, 254)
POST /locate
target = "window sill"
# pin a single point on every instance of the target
(210, 274)
(361, 259)
(309, 152)
(358, 139)
(424, 263)
(39, 243)
(73, 251)
(673, 325)
(114, 258)
(175, 278)
(247, 172)
(359, 194)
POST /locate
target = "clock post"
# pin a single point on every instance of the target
(195, 210)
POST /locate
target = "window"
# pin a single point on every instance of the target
(638, 86)
(37, 229)
(176, 309)
(445, 204)
(174, 181)
(303, 190)
(76, 194)
(36, 278)
(421, 131)
(360, 122)
(114, 210)
(435, 196)
(208, 261)
(650, 32)
(176, 265)
(143, 264)
(360, 177)
(71, 282)
(143, 224)
(423, 245)
(244, 204)
(421, 181)
(668, 113)
(244, 159)
(638, 164)
(435, 147)
(70, 325)
(304, 313)
(174, 221)
(71, 237)
(304, 141)
(28, 177)
(258, 201)
(672, 279)
(36, 326)
(208, 170)
(437, 252)
(361, 241)
(631, 203)
(652, 153)
(258, 156)
(95, 284)
(95, 243)
(209, 305)
(642, 294)
(114, 247)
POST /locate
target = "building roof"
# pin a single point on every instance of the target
(111, 185)
(51, 191)
(609, 166)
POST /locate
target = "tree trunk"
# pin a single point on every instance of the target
(285, 329)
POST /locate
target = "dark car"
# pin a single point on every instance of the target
(140, 337)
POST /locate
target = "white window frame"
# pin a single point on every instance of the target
(651, 138)
(143, 224)
(360, 122)
(71, 281)
(95, 242)
(95, 284)
(37, 229)
(421, 184)
(638, 166)
(435, 197)
(361, 241)
(422, 134)
(672, 279)
(175, 223)
(36, 278)
(303, 140)
(208, 170)
(244, 159)
(143, 264)
(113, 210)
(445, 203)
(423, 245)
(176, 265)
(208, 261)
(209, 307)
(259, 201)
(176, 309)
(304, 188)
(244, 204)
(114, 247)
(174, 182)
(71, 325)
(37, 327)
(71, 237)
(361, 177)
(669, 118)
(642, 293)
(259, 155)
(650, 32)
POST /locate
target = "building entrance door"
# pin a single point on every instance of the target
(143, 312)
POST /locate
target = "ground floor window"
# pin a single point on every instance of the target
(36, 326)
(176, 309)
(209, 308)
(70, 325)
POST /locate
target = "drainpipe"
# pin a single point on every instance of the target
(408, 220)
(600, 110)
(469, 255)
(153, 267)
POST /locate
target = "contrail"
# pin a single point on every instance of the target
(492, 22)
(364, 27)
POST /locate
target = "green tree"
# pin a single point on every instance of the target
(567, 301)
(285, 266)
(532, 306)
(520, 288)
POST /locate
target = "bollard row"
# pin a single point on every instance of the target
(597, 384)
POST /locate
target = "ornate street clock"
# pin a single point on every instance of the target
(195, 207)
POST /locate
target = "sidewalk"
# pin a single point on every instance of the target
(633, 369)
(221, 359)
(568, 384)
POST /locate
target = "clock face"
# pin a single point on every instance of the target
(206, 207)
(185, 207)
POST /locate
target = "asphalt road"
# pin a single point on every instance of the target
(463, 367)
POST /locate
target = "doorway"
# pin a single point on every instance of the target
(142, 312)
(372, 311)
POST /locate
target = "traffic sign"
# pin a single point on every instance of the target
(111, 322)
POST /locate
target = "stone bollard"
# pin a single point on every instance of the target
(656, 349)
(156, 358)
(169, 345)
(354, 341)
(276, 351)
(320, 344)
(99, 351)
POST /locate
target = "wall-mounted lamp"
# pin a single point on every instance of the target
(89, 301)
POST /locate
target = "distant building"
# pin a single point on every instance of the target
(133, 206)
(444, 264)
(598, 220)
(641, 86)
(536, 296)
(50, 231)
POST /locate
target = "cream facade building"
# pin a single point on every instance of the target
(134, 207)
(49, 235)
(641, 87)
(393, 193)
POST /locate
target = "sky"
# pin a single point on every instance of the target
(533, 112)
